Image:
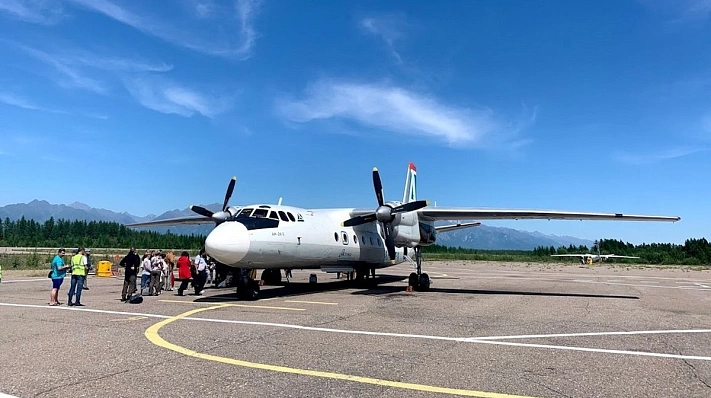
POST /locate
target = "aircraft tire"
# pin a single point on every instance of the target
(413, 281)
(424, 283)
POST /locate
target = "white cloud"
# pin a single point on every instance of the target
(20, 102)
(72, 66)
(401, 111)
(70, 77)
(648, 158)
(389, 28)
(44, 12)
(169, 97)
(202, 31)
(681, 10)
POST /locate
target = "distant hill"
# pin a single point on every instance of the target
(497, 238)
(482, 237)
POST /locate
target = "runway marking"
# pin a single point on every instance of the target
(153, 336)
(476, 340)
(309, 302)
(133, 318)
(543, 336)
(597, 282)
(235, 305)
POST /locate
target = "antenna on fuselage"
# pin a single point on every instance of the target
(279, 204)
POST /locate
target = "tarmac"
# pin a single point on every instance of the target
(496, 330)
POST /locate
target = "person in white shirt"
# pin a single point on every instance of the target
(146, 273)
(201, 270)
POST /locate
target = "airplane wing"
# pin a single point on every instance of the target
(570, 255)
(458, 213)
(174, 221)
(606, 256)
(454, 227)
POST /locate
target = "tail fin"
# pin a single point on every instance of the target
(410, 194)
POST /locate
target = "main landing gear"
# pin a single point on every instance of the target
(418, 280)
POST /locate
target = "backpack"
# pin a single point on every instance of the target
(136, 299)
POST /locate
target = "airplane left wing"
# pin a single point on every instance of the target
(173, 221)
(458, 213)
(571, 255)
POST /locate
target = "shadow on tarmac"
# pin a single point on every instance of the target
(378, 286)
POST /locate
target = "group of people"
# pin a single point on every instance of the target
(79, 266)
(157, 274)
(155, 267)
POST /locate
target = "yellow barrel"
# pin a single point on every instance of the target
(104, 269)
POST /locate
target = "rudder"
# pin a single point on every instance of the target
(410, 193)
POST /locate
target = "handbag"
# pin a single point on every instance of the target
(50, 274)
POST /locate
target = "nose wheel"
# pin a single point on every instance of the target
(418, 280)
(247, 287)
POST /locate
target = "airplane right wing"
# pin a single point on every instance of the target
(458, 213)
(454, 227)
(606, 256)
(570, 255)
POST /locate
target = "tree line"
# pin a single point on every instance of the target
(692, 252)
(76, 233)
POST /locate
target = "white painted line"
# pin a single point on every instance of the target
(475, 340)
(543, 336)
(602, 350)
(6, 396)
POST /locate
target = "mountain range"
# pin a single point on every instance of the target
(482, 237)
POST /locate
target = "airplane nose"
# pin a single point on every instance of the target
(228, 243)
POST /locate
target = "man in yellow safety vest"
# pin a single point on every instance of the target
(78, 263)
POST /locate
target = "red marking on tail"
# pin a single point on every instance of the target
(412, 166)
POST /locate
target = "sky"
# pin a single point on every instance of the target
(576, 106)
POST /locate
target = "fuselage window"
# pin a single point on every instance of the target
(291, 217)
(345, 238)
(283, 216)
(371, 241)
(362, 238)
(274, 215)
(355, 239)
(378, 242)
(260, 213)
(244, 213)
(335, 236)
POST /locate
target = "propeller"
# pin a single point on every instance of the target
(223, 214)
(385, 214)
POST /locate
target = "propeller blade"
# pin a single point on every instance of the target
(359, 220)
(201, 211)
(389, 242)
(411, 206)
(228, 194)
(378, 185)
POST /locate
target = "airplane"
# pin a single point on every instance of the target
(589, 258)
(360, 240)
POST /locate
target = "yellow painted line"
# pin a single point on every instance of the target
(152, 335)
(309, 302)
(236, 305)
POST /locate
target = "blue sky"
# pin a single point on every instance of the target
(135, 107)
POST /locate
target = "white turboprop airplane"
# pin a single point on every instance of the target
(589, 258)
(275, 237)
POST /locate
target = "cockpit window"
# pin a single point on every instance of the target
(260, 213)
(291, 217)
(283, 216)
(245, 212)
(274, 215)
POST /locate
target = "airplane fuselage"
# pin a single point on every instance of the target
(275, 236)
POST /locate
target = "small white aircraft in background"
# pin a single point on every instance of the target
(274, 237)
(589, 258)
